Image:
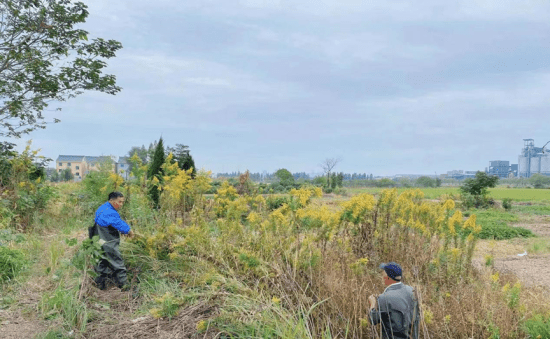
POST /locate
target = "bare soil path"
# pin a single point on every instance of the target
(512, 255)
(21, 320)
(14, 325)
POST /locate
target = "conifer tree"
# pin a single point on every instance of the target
(155, 171)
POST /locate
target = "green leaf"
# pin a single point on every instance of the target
(71, 242)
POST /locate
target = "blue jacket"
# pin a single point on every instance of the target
(106, 215)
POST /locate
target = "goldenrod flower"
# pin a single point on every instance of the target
(201, 326)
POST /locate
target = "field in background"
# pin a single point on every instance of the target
(498, 193)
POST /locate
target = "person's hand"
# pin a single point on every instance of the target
(131, 234)
(372, 301)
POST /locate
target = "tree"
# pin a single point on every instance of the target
(385, 182)
(45, 58)
(539, 180)
(405, 182)
(67, 175)
(285, 177)
(340, 179)
(54, 177)
(141, 152)
(182, 155)
(328, 165)
(151, 150)
(479, 185)
(333, 181)
(154, 172)
(425, 181)
(319, 181)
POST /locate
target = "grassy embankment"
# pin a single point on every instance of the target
(246, 267)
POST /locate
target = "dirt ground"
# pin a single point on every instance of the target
(532, 270)
(13, 325)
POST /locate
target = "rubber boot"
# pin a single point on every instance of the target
(101, 282)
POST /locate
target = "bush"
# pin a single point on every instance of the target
(539, 180)
(507, 203)
(11, 263)
(276, 201)
(24, 190)
(340, 191)
(476, 201)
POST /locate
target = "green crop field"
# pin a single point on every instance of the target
(520, 194)
(498, 193)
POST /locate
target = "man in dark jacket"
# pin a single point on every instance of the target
(396, 308)
(108, 225)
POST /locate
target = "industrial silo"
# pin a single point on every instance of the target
(545, 165)
(523, 166)
(535, 165)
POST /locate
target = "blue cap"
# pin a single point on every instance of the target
(393, 270)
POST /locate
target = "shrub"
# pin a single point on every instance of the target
(23, 188)
(476, 201)
(11, 263)
(276, 201)
(507, 203)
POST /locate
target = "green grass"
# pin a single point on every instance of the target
(498, 193)
(538, 246)
(520, 194)
(12, 262)
(496, 225)
(533, 209)
(538, 326)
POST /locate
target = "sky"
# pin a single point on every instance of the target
(387, 87)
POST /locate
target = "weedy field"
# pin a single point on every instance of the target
(301, 265)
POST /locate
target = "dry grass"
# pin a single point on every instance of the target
(184, 325)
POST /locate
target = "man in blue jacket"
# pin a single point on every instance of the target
(108, 225)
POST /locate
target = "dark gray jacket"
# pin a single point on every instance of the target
(397, 310)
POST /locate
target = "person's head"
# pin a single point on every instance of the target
(392, 273)
(116, 199)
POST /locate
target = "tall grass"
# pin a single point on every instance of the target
(294, 268)
(305, 270)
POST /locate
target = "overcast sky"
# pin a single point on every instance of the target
(387, 86)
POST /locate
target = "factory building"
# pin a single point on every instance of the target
(502, 169)
(533, 160)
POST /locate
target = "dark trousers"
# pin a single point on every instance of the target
(113, 264)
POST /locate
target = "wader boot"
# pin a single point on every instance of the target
(113, 264)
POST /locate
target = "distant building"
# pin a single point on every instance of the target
(75, 163)
(532, 160)
(501, 168)
(460, 174)
(122, 166)
(81, 165)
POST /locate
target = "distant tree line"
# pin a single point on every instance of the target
(259, 177)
